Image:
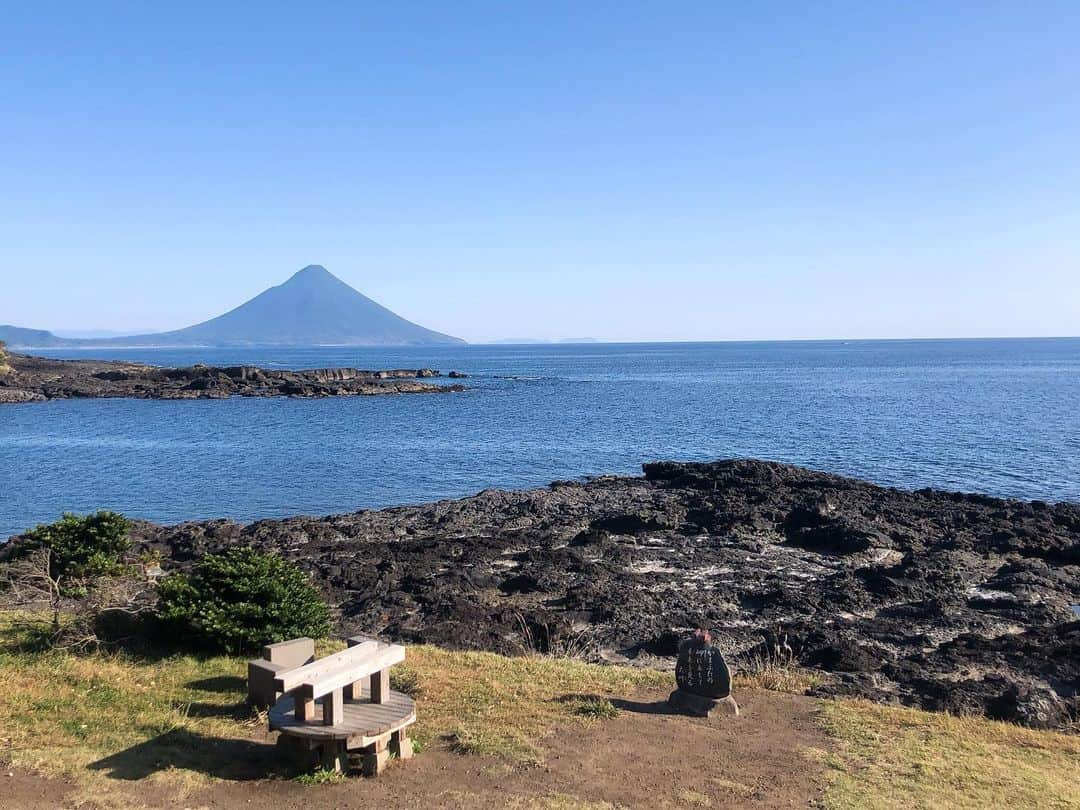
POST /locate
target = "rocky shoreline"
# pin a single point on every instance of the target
(24, 378)
(934, 599)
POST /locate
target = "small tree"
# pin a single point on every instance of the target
(81, 549)
(105, 610)
(242, 599)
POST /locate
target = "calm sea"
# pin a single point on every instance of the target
(992, 416)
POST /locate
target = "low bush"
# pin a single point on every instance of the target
(81, 548)
(240, 600)
(321, 777)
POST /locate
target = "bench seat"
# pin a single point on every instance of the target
(363, 722)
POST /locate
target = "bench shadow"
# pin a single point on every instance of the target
(229, 759)
(232, 711)
(219, 683)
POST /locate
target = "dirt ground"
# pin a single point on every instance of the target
(644, 757)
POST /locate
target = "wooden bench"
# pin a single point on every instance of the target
(276, 658)
(371, 721)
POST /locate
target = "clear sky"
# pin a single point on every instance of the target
(625, 171)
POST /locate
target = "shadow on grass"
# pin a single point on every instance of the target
(229, 711)
(220, 683)
(230, 759)
(587, 701)
(32, 633)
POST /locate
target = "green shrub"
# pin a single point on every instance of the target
(321, 777)
(595, 708)
(240, 600)
(82, 547)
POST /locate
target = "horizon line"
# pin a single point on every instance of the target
(544, 342)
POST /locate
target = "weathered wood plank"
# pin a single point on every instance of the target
(361, 722)
(325, 681)
(290, 654)
(290, 679)
(261, 675)
(355, 691)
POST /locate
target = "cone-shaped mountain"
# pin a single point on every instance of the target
(313, 308)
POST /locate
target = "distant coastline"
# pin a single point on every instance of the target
(540, 341)
(27, 378)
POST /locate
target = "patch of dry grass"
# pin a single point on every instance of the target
(775, 668)
(88, 716)
(93, 714)
(693, 798)
(182, 720)
(776, 678)
(890, 757)
(490, 704)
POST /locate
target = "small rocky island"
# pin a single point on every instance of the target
(934, 599)
(24, 378)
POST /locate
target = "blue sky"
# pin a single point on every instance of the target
(627, 171)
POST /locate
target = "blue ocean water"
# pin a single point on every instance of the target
(993, 416)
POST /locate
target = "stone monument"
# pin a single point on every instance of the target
(703, 678)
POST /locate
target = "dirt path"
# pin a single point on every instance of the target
(645, 757)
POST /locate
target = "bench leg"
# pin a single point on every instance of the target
(375, 758)
(303, 708)
(334, 756)
(354, 691)
(401, 745)
(380, 686)
(333, 708)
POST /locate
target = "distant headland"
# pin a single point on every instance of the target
(36, 379)
(313, 308)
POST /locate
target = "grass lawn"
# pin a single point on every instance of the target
(893, 757)
(182, 720)
(68, 714)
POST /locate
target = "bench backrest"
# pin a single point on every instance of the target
(294, 653)
(325, 675)
(293, 678)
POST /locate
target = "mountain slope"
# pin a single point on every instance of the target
(312, 308)
(18, 338)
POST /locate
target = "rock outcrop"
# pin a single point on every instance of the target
(35, 379)
(934, 599)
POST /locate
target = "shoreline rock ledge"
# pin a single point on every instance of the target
(24, 378)
(940, 600)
